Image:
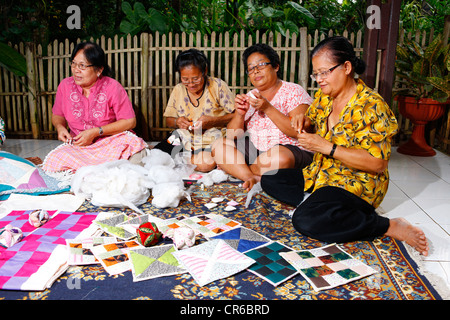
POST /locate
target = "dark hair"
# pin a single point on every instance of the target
(192, 57)
(266, 50)
(341, 50)
(94, 55)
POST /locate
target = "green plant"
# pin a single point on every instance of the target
(423, 73)
(12, 60)
(280, 19)
(138, 20)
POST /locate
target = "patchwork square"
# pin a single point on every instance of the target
(153, 262)
(132, 224)
(114, 256)
(210, 225)
(270, 265)
(18, 175)
(21, 261)
(113, 226)
(338, 266)
(212, 260)
(80, 253)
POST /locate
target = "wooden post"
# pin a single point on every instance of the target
(386, 40)
(32, 90)
(388, 43)
(144, 86)
(447, 130)
(370, 50)
(304, 58)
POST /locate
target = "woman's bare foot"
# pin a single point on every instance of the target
(402, 230)
(249, 183)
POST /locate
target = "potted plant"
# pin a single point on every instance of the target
(423, 89)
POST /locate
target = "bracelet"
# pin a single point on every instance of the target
(333, 150)
(100, 131)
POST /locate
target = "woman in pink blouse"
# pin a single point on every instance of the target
(260, 137)
(92, 114)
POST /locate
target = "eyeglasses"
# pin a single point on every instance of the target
(80, 66)
(259, 67)
(324, 74)
(193, 80)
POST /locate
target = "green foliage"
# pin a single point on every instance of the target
(45, 20)
(423, 73)
(21, 22)
(424, 15)
(332, 15)
(287, 17)
(12, 60)
(138, 20)
(219, 16)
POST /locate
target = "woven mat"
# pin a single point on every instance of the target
(398, 276)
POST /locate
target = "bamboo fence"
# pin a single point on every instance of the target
(144, 65)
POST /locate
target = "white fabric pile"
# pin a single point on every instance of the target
(212, 177)
(123, 184)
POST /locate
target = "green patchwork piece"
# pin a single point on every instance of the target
(348, 274)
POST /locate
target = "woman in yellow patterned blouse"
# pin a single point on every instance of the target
(350, 128)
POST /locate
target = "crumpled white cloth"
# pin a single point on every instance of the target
(212, 177)
(124, 184)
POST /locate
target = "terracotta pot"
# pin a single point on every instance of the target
(420, 112)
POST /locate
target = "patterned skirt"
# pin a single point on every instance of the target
(67, 157)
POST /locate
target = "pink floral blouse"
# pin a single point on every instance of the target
(263, 132)
(108, 102)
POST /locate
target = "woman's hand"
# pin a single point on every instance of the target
(86, 137)
(300, 122)
(313, 142)
(183, 123)
(204, 123)
(60, 124)
(259, 103)
(64, 135)
(242, 104)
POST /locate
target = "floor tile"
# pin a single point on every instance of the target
(401, 208)
(395, 192)
(439, 241)
(441, 269)
(437, 189)
(436, 209)
(414, 172)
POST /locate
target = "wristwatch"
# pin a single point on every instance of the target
(100, 131)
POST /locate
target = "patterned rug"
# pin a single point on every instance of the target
(397, 276)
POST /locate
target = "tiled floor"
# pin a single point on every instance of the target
(419, 191)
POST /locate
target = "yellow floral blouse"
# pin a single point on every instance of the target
(366, 123)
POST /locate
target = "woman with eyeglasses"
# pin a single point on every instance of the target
(260, 137)
(349, 127)
(92, 115)
(199, 109)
